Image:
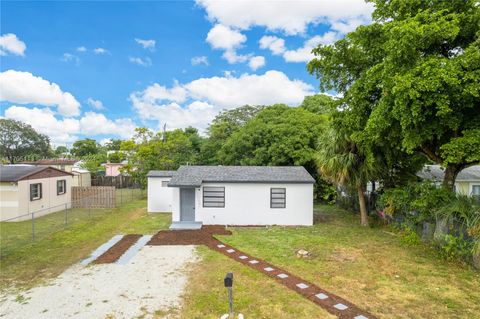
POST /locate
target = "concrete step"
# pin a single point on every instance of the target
(185, 225)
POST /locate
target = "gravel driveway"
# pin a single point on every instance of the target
(152, 280)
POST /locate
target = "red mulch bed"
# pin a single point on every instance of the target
(117, 250)
(205, 237)
(188, 237)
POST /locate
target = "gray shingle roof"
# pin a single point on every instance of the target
(13, 173)
(160, 173)
(436, 173)
(193, 176)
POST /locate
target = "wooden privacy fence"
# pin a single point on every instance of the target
(120, 181)
(93, 197)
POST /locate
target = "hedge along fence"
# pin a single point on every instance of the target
(93, 197)
(437, 215)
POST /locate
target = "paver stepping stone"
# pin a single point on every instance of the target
(268, 269)
(334, 304)
(340, 306)
(321, 296)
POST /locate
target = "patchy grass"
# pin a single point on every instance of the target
(370, 267)
(32, 262)
(255, 295)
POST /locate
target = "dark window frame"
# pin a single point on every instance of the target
(211, 196)
(64, 182)
(39, 191)
(164, 183)
(284, 197)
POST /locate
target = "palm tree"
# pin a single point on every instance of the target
(342, 162)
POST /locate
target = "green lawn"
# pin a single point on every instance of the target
(17, 234)
(29, 263)
(370, 267)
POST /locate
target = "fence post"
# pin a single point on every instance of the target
(66, 215)
(33, 226)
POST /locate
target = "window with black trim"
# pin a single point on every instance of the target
(213, 196)
(278, 197)
(35, 191)
(61, 187)
(165, 183)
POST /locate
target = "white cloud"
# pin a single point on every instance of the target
(9, 43)
(68, 57)
(65, 130)
(101, 51)
(155, 93)
(256, 62)
(210, 95)
(285, 15)
(93, 123)
(139, 61)
(82, 49)
(268, 88)
(197, 60)
(44, 121)
(96, 104)
(25, 88)
(275, 44)
(222, 37)
(304, 54)
(146, 44)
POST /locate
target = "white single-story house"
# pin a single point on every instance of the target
(81, 177)
(26, 189)
(235, 195)
(466, 183)
(162, 196)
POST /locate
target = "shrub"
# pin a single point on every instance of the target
(456, 248)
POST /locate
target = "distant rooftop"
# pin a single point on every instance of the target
(14, 173)
(436, 173)
(160, 173)
(56, 161)
(194, 176)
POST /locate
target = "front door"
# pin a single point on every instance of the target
(187, 204)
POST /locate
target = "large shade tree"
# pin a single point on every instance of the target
(19, 141)
(411, 80)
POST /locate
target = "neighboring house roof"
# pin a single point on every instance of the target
(436, 173)
(58, 161)
(194, 176)
(80, 170)
(15, 173)
(160, 173)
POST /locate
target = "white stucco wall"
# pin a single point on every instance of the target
(159, 198)
(49, 203)
(249, 204)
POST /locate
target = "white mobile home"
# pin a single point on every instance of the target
(240, 195)
(26, 189)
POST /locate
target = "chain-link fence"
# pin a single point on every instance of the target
(21, 230)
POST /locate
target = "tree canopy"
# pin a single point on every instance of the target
(411, 80)
(19, 141)
(85, 147)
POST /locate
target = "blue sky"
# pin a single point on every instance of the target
(99, 69)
